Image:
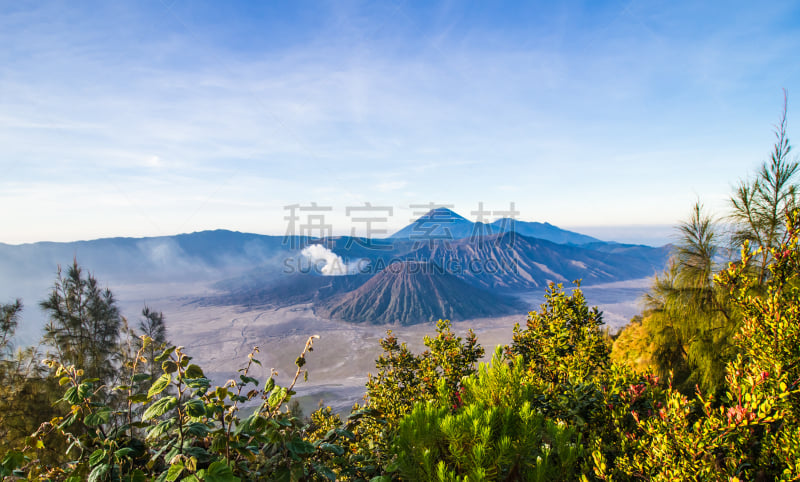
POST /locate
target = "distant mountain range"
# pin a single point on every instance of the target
(444, 224)
(472, 269)
(433, 269)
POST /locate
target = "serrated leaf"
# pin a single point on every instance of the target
(198, 382)
(248, 425)
(97, 457)
(159, 385)
(164, 354)
(84, 390)
(160, 428)
(197, 429)
(98, 417)
(220, 472)
(99, 472)
(276, 396)
(195, 407)
(160, 407)
(194, 371)
(71, 396)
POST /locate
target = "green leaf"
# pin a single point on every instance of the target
(198, 382)
(195, 407)
(197, 429)
(344, 433)
(276, 396)
(139, 377)
(220, 472)
(269, 385)
(136, 476)
(138, 398)
(164, 354)
(97, 457)
(84, 390)
(98, 417)
(300, 446)
(169, 366)
(324, 471)
(160, 428)
(99, 472)
(194, 371)
(333, 448)
(71, 396)
(11, 462)
(174, 471)
(160, 407)
(251, 424)
(245, 379)
(124, 452)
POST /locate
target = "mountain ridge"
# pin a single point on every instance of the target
(445, 224)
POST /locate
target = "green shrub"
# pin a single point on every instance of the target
(492, 432)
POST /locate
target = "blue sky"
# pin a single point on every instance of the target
(156, 118)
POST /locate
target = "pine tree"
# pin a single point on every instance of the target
(760, 205)
(691, 319)
(26, 394)
(84, 325)
(152, 325)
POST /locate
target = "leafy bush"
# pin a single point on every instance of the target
(187, 429)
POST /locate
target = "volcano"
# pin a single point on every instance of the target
(409, 292)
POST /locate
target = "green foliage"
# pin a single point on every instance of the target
(563, 340)
(26, 393)
(493, 432)
(404, 378)
(691, 321)
(188, 430)
(751, 432)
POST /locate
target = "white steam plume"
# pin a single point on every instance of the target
(334, 265)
